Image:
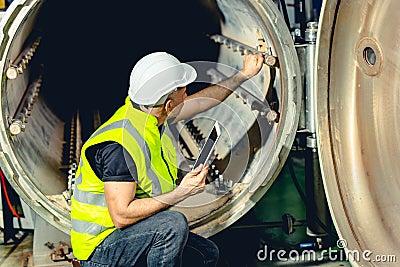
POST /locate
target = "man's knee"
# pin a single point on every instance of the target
(175, 222)
(172, 232)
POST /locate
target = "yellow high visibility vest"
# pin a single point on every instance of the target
(155, 160)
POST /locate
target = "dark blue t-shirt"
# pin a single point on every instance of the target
(111, 162)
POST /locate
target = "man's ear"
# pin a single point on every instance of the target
(168, 105)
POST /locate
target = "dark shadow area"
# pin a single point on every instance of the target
(88, 51)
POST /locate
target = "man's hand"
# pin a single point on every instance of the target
(126, 210)
(215, 94)
(252, 64)
(194, 182)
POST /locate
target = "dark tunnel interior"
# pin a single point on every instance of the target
(88, 51)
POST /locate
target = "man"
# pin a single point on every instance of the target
(127, 174)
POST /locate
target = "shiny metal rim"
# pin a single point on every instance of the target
(358, 137)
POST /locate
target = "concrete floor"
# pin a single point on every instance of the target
(16, 254)
(21, 255)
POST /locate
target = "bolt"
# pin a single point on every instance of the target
(272, 116)
(270, 60)
(16, 127)
(12, 73)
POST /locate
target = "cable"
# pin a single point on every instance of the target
(303, 197)
(295, 181)
(3, 182)
(285, 13)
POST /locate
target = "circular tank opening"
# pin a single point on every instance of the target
(78, 76)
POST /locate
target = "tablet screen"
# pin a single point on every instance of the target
(208, 147)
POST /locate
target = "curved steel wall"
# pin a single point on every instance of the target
(358, 138)
(31, 159)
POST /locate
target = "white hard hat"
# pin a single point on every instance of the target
(155, 76)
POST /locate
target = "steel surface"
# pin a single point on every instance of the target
(358, 104)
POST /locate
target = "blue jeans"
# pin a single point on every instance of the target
(160, 240)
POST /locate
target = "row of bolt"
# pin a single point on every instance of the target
(18, 122)
(71, 162)
(22, 61)
(72, 142)
(194, 132)
(236, 46)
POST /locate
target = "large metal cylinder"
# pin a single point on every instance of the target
(31, 150)
(358, 137)
(357, 103)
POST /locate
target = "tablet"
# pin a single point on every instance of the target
(208, 146)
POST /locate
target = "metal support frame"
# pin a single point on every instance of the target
(48, 241)
(318, 217)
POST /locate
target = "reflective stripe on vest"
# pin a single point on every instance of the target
(91, 221)
(86, 227)
(99, 199)
(87, 197)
